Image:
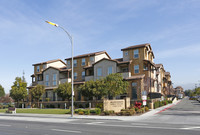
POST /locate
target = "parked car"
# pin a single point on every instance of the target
(198, 98)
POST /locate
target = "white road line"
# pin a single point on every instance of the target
(94, 123)
(191, 128)
(139, 124)
(71, 131)
(4, 125)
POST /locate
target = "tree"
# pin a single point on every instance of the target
(64, 91)
(112, 85)
(2, 92)
(37, 92)
(18, 90)
(88, 89)
(115, 85)
(6, 99)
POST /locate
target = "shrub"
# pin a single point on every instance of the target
(146, 109)
(138, 105)
(99, 105)
(169, 101)
(157, 104)
(139, 111)
(106, 112)
(76, 111)
(80, 113)
(136, 109)
(98, 111)
(111, 111)
(86, 111)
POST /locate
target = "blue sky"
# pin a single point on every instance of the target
(172, 27)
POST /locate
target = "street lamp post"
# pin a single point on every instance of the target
(72, 63)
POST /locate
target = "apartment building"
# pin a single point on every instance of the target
(54, 72)
(50, 74)
(136, 66)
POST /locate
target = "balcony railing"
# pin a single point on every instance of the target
(125, 74)
(88, 78)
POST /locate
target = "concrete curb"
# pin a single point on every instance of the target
(63, 118)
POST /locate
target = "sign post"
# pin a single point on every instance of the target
(144, 99)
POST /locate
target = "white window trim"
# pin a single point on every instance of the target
(137, 69)
(38, 68)
(83, 62)
(111, 70)
(75, 75)
(136, 53)
(75, 64)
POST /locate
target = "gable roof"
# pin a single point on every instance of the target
(89, 54)
(62, 69)
(50, 61)
(158, 65)
(139, 46)
(167, 73)
(136, 46)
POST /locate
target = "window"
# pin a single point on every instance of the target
(68, 63)
(125, 69)
(136, 69)
(47, 80)
(145, 67)
(110, 70)
(83, 62)
(136, 53)
(91, 59)
(134, 90)
(38, 68)
(99, 72)
(126, 53)
(83, 75)
(75, 75)
(54, 79)
(75, 63)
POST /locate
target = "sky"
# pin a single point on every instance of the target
(172, 27)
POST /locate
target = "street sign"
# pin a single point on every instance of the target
(144, 93)
(144, 97)
(144, 102)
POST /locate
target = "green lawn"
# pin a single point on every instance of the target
(3, 110)
(41, 111)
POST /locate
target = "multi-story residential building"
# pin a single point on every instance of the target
(179, 92)
(54, 72)
(142, 68)
(50, 74)
(168, 88)
(136, 66)
(160, 74)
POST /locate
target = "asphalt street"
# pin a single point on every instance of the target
(180, 119)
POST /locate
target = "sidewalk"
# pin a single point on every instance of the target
(63, 118)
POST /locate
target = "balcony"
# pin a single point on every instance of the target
(125, 74)
(88, 78)
(40, 82)
(63, 80)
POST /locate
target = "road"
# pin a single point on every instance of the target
(181, 119)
